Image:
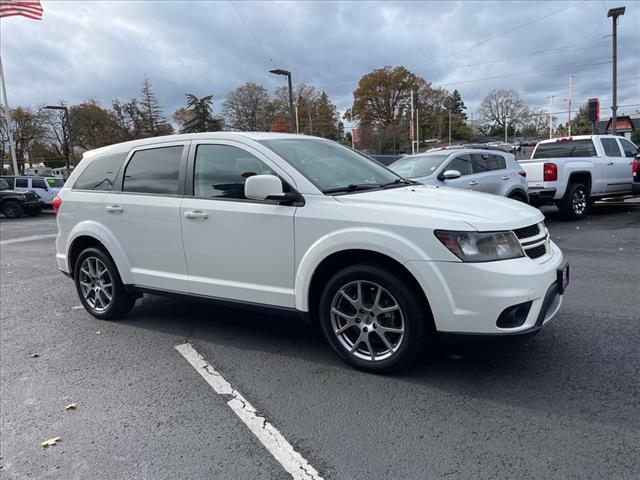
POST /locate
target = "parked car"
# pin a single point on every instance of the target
(386, 159)
(305, 225)
(572, 172)
(45, 187)
(635, 169)
(15, 204)
(483, 170)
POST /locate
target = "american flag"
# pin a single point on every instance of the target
(30, 9)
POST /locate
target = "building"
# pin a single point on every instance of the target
(625, 125)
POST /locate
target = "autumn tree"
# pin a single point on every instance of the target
(198, 115)
(92, 126)
(129, 119)
(247, 108)
(503, 108)
(27, 126)
(580, 124)
(154, 122)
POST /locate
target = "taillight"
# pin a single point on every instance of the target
(522, 173)
(635, 168)
(550, 172)
(57, 203)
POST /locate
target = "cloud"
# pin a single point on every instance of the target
(103, 50)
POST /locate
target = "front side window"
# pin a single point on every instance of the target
(461, 163)
(566, 148)
(22, 183)
(153, 171)
(418, 166)
(100, 173)
(38, 183)
(611, 148)
(630, 150)
(221, 170)
(331, 167)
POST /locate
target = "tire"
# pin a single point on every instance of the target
(354, 338)
(575, 203)
(88, 277)
(12, 209)
(518, 196)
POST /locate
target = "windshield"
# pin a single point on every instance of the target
(55, 182)
(331, 167)
(418, 166)
(4, 185)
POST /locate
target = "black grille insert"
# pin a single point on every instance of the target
(526, 232)
(536, 252)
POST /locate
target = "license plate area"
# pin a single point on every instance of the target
(563, 278)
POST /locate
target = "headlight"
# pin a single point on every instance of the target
(481, 246)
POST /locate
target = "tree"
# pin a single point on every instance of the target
(153, 121)
(198, 116)
(92, 126)
(326, 120)
(580, 124)
(129, 119)
(247, 108)
(456, 106)
(535, 124)
(635, 137)
(27, 126)
(500, 108)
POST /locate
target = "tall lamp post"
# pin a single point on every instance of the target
(69, 144)
(286, 73)
(614, 13)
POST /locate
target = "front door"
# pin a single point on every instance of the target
(144, 216)
(236, 248)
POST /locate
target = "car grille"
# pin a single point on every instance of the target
(532, 243)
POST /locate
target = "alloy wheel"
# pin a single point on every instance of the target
(579, 202)
(96, 284)
(367, 320)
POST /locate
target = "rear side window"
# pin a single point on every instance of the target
(630, 150)
(487, 162)
(38, 183)
(100, 173)
(611, 148)
(222, 170)
(153, 171)
(566, 148)
(22, 183)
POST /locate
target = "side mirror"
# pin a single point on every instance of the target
(264, 187)
(450, 175)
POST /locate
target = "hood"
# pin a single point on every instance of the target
(481, 211)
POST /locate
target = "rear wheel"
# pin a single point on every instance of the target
(373, 318)
(99, 286)
(575, 203)
(12, 209)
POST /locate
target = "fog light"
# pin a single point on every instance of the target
(514, 316)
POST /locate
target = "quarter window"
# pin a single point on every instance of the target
(153, 171)
(100, 173)
(630, 150)
(22, 183)
(611, 148)
(221, 171)
(461, 163)
(38, 183)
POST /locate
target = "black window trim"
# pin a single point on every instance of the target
(190, 171)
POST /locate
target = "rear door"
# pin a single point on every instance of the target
(21, 184)
(489, 171)
(619, 176)
(143, 214)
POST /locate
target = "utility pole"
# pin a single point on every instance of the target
(473, 130)
(297, 124)
(449, 127)
(551, 97)
(569, 116)
(417, 131)
(310, 124)
(506, 128)
(413, 146)
(614, 13)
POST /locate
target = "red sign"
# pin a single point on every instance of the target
(355, 135)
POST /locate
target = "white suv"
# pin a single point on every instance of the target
(305, 225)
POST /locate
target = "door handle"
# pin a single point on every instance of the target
(473, 182)
(114, 209)
(196, 214)
(505, 177)
(609, 163)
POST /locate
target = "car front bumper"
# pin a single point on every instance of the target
(468, 298)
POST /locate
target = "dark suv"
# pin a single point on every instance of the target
(15, 204)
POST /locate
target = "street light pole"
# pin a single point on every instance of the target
(614, 13)
(286, 73)
(69, 143)
(551, 115)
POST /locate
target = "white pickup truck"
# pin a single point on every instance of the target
(574, 171)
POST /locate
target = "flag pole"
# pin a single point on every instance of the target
(7, 118)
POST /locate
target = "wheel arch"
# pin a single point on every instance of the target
(583, 177)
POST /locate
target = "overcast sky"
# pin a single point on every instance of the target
(103, 50)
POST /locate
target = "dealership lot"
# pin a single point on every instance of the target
(563, 404)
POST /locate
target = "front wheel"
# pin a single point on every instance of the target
(99, 286)
(373, 318)
(575, 203)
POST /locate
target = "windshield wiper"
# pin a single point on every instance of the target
(398, 181)
(352, 187)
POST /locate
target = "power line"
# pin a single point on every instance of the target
(255, 37)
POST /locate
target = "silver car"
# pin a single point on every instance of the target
(483, 170)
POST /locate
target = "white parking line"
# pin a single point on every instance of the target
(28, 239)
(268, 435)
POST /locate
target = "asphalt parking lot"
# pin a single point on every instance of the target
(563, 404)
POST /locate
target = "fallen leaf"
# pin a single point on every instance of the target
(34, 355)
(50, 442)
(77, 307)
(98, 332)
(71, 406)
(621, 249)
